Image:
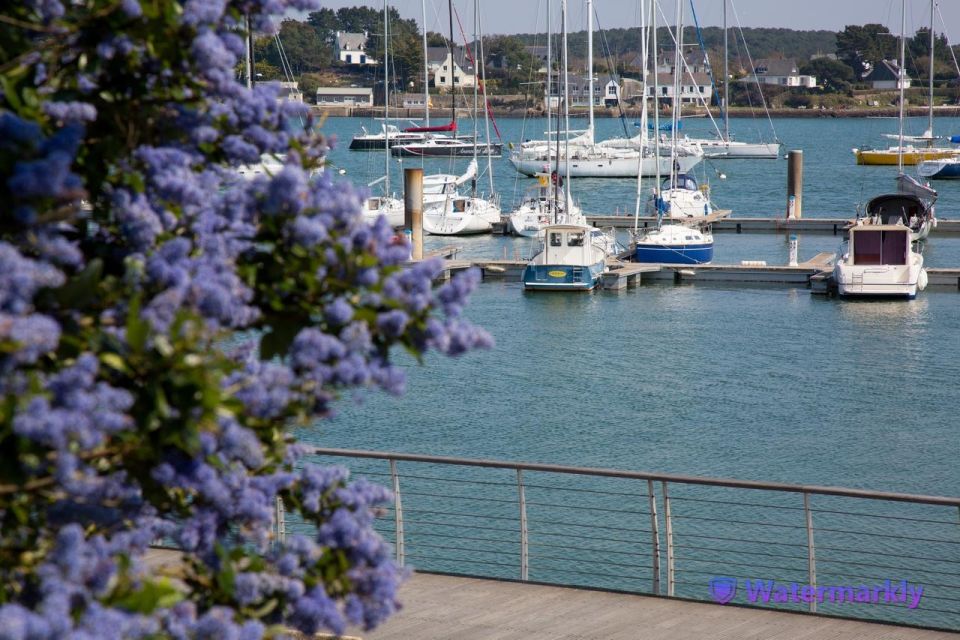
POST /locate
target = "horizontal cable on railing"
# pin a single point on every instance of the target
(574, 536)
(877, 515)
(412, 532)
(714, 573)
(460, 560)
(407, 510)
(540, 556)
(627, 494)
(741, 551)
(408, 476)
(728, 563)
(762, 524)
(886, 553)
(458, 497)
(846, 576)
(594, 526)
(590, 573)
(822, 560)
(460, 524)
(425, 545)
(775, 543)
(888, 535)
(735, 503)
(586, 508)
(566, 546)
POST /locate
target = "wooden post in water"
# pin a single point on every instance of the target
(795, 184)
(413, 209)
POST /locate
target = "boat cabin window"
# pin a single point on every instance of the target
(373, 203)
(459, 206)
(893, 208)
(684, 181)
(575, 240)
(880, 247)
(556, 239)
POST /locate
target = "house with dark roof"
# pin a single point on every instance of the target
(886, 76)
(350, 48)
(782, 72)
(450, 71)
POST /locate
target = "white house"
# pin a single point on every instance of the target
(350, 48)
(447, 72)
(695, 90)
(782, 72)
(345, 96)
(886, 76)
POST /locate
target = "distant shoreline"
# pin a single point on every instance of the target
(738, 112)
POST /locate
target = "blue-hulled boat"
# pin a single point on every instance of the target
(942, 169)
(674, 244)
(571, 258)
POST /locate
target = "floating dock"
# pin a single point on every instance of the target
(813, 274)
(827, 226)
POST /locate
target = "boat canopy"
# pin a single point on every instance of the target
(450, 126)
(684, 181)
(955, 139)
(897, 207)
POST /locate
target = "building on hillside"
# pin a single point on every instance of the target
(413, 101)
(345, 96)
(290, 91)
(350, 48)
(886, 76)
(695, 90)
(448, 73)
(695, 62)
(782, 72)
(540, 53)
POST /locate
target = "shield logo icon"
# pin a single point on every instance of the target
(723, 589)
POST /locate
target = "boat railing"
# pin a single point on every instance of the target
(668, 534)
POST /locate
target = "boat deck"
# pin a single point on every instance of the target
(439, 606)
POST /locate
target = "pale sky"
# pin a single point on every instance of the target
(526, 16)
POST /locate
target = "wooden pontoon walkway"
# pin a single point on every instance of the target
(438, 607)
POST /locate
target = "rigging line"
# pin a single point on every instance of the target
(746, 48)
(753, 113)
(476, 71)
(616, 78)
(953, 54)
(706, 60)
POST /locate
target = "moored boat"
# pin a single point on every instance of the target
(879, 260)
(674, 244)
(570, 259)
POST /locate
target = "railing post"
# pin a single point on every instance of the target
(669, 534)
(811, 551)
(281, 519)
(524, 541)
(655, 532)
(397, 512)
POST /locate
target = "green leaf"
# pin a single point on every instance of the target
(283, 329)
(152, 595)
(137, 328)
(82, 288)
(114, 361)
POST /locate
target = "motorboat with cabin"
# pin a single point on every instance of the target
(572, 257)
(909, 209)
(879, 259)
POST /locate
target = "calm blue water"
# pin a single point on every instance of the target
(753, 383)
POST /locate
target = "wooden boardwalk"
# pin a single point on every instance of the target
(437, 607)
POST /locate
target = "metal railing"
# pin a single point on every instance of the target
(613, 529)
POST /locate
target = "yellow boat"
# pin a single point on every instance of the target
(911, 155)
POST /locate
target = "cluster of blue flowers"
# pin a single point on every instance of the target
(163, 321)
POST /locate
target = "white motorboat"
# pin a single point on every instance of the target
(879, 260)
(568, 260)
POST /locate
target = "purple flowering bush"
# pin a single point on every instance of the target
(163, 322)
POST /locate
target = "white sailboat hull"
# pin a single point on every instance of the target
(616, 167)
(391, 208)
(478, 216)
(738, 150)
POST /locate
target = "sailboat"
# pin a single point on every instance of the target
(670, 243)
(457, 214)
(909, 154)
(587, 158)
(572, 255)
(386, 205)
(723, 146)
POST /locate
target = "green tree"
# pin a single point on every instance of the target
(834, 76)
(518, 64)
(862, 47)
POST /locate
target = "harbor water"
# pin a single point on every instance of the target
(747, 382)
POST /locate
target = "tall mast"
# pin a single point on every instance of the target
(453, 67)
(930, 112)
(656, 98)
(426, 66)
(677, 97)
(248, 55)
(486, 114)
(726, 79)
(386, 99)
(549, 91)
(590, 63)
(476, 74)
(566, 111)
(644, 61)
(903, 55)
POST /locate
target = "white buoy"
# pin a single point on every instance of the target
(794, 249)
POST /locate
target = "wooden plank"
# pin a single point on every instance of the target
(439, 607)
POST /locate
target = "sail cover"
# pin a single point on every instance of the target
(450, 126)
